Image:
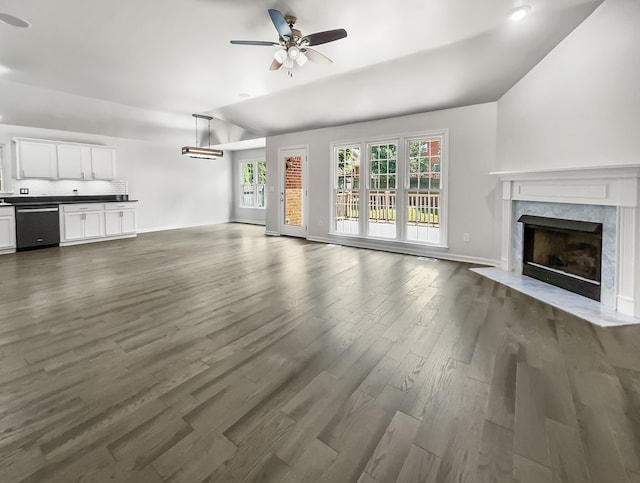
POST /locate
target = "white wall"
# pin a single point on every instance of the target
(254, 216)
(580, 106)
(173, 190)
(473, 193)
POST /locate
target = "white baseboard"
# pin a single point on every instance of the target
(247, 222)
(271, 233)
(406, 249)
(96, 240)
(174, 227)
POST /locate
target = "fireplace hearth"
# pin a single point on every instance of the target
(564, 253)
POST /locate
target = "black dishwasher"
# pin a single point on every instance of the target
(37, 226)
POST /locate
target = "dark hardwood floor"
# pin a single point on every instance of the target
(217, 354)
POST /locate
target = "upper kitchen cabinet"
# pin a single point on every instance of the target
(39, 158)
(36, 159)
(103, 163)
(73, 161)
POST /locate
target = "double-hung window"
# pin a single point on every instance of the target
(423, 194)
(346, 190)
(253, 176)
(396, 192)
(382, 186)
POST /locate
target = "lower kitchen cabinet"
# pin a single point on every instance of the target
(7, 229)
(120, 219)
(84, 223)
(81, 222)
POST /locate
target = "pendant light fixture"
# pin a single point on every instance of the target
(197, 151)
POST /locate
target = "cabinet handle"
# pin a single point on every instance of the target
(93, 174)
(84, 216)
(84, 208)
(121, 214)
(82, 174)
(22, 173)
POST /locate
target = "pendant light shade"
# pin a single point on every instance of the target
(200, 152)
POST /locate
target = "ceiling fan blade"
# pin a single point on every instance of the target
(254, 42)
(317, 57)
(14, 21)
(280, 23)
(323, 37)
(275, 65)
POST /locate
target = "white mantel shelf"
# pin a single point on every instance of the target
(617, 186)
(568, 173)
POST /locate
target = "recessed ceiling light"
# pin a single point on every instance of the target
(519, 13)
(14, 21)
(4, 70)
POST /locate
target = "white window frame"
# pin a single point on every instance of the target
(334, 187)
(402, 185)
(256, 184)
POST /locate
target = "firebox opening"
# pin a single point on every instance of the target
(564, 253)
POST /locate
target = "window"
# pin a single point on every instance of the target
(423, 195)
(347, 189)
(399, 188)
(381, 195)
(253, 176)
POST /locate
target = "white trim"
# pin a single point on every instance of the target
(247, 222)
(403, 248)
(617, 186)
(401, 139)
(271, 233)
(174, 227)
(255, 184)
(95, 240)
(305, 189)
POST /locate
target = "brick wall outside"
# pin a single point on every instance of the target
(293, 191)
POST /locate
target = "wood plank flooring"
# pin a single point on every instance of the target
(217, 354)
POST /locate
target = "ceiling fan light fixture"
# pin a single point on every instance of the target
(302, 59)
(288, 63)
(294, 52)
(280, 55)
(201, 152)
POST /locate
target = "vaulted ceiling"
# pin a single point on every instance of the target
(139, 69)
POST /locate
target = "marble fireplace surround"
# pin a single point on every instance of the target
(610, 195)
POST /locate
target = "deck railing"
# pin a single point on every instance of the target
(422, 208)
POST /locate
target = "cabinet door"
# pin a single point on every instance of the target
(36, 160)
(103, 163)
(93, 224)
(129, 221)
(71, 161)
(7, 232)
(113, 223)
(73, 226)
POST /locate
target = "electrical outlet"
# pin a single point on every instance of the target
(466, 237)
(24, 191)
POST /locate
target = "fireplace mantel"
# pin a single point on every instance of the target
(617, 186)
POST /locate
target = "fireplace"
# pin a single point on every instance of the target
(564, 253)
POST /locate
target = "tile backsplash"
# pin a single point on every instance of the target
(66, 187)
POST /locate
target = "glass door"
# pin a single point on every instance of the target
(293, 192)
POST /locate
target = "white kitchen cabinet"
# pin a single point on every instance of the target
(82, 222)
(90, 222)
(7, 229)
(43, 159)
(36, 159)
(120, 219)
(73, 161)
(103, 163)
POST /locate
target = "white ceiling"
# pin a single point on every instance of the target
(139, 69)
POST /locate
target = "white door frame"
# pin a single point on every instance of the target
(284, 229)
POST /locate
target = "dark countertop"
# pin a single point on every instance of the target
(52, 200)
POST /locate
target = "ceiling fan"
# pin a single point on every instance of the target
(294, 47)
